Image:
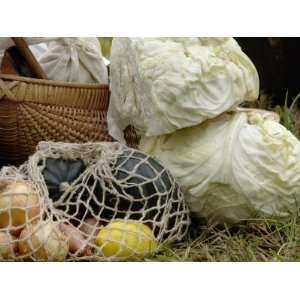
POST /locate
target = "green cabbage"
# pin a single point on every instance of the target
(160, 85)
(238, 166)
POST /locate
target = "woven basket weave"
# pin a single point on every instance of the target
(33, 110)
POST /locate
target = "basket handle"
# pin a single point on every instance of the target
(25, 51)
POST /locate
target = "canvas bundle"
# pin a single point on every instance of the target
(70, 59)
(103, 201)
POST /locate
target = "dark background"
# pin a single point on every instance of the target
(278, 63)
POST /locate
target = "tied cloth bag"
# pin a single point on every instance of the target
(74, 60)
(112, 202)
(69, 59)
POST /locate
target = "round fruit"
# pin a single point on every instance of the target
(59, 173)
(142, 189)
(126, 238)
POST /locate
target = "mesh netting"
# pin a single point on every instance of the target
(100, 201)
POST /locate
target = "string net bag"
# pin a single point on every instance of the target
(111, 202)
(25, 233)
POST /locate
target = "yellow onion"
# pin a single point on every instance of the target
(44, 241)
(19, 205)
(8, 245)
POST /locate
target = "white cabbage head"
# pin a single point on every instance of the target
(238, 166)
(160, 85)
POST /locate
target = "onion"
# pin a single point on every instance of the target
(19, 205)
(77, 243)
(8, 245)
(90, 228)
(44, 241)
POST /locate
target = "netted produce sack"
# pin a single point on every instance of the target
(22, 208)
(111, 202)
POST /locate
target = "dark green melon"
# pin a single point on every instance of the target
(142, 185)
(59, 173)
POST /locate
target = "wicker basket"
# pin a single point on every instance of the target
(32, 110)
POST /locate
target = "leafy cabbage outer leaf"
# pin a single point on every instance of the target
(238, 166)
(160, 85)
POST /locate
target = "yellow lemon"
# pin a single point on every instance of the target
(125, 238)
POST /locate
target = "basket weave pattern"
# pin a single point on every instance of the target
(33, 110)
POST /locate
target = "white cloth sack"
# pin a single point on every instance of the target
(68, 59)
(75, 60)
(241, 165)
(160, 85)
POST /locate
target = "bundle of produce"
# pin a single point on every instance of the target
(160, 85)
(70, 59)
(111, 201)
(74, 60)
(238, 166)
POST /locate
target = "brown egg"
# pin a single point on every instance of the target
(8, 245)
(43, 241)
(19, 205)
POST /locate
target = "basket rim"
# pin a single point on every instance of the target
(54, 82)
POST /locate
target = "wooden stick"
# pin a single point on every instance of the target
(29, 58)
